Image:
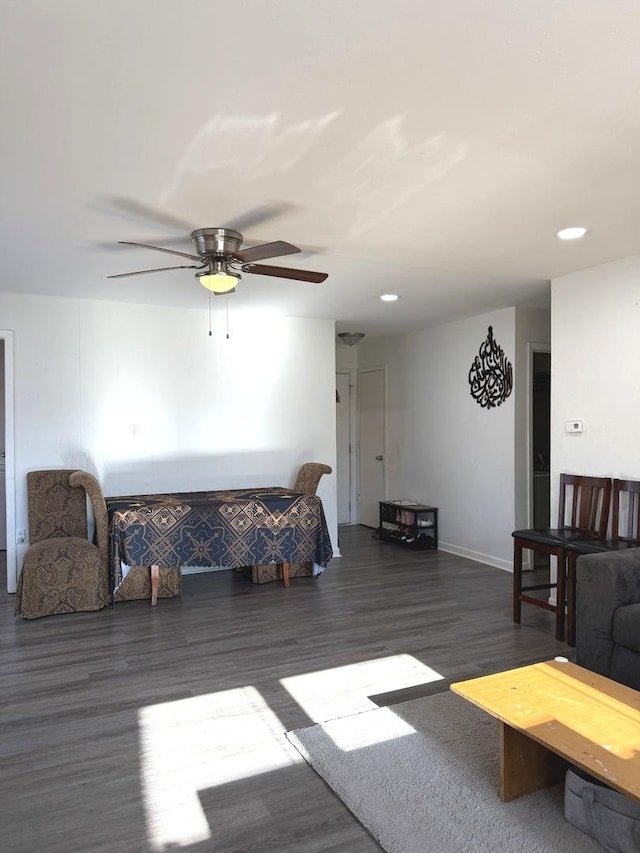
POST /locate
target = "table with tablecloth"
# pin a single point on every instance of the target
(235, 528)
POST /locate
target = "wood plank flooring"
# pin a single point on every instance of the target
(142, 729)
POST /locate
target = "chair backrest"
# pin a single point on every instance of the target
(584, 504)
(55, 508)
(82, 480)
(625, 514)
(309, 476)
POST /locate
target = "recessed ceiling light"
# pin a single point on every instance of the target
(574, 233)
(389, 297)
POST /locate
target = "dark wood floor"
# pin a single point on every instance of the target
(137, 729)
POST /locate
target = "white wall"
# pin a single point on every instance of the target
(3, 508)
(212, 413)
(595, 341)
(443, 448)
(346, 356)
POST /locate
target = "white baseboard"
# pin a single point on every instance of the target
(505, 565)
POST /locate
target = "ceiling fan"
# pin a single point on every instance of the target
(222, 260)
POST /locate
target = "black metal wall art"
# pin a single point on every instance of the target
(491, 374)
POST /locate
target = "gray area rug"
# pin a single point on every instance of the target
(423, 776)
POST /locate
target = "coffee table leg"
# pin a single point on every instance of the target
(525, 765)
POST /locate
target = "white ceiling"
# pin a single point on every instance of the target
(423, 147)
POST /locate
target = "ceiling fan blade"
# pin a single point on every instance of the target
(263, 213)
(265, 250)
(183, 243)
(143, 214)
(158, 269)
(286, 272)
(160, 249)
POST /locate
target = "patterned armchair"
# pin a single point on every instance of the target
(62, 571)
(137, 584)
(309, 476)
(307, 483)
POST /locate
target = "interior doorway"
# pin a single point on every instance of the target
(541, 437)
(345, 442)
(372, 434)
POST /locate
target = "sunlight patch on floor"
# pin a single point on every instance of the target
(351, 733)
(198, 743)
(332, 693)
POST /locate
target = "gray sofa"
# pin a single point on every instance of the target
(607, 642)
(608, 615)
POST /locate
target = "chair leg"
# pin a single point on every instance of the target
(285, 574)
(517, 581)
(155, 582)
(561, 578)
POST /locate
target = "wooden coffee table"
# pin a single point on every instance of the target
(557, 712)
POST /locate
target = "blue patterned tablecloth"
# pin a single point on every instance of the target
(236, 528)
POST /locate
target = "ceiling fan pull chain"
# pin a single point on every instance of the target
(227, 318)
(209, 313)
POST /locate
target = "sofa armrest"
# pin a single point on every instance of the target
(604, 582)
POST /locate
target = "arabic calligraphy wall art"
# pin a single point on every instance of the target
(491, 374)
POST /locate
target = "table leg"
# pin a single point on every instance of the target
(525, 765)
(155, 582)
(285, 574)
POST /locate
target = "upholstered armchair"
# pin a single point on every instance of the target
(62, 571)
(137, 584)
(309, 477)
(306, 482)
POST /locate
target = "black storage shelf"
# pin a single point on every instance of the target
(412, 525)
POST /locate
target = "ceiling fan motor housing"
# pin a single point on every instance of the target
(216, 241)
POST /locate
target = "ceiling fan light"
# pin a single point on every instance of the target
(218, 282)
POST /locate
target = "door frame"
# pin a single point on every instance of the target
(385, 427)
(353, 435)
(9, 462)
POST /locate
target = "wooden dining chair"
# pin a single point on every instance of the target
(583, 512)
(625, 534)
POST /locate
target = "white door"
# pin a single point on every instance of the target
(3, 506)
(3, 497)
(372, 418)
(343, 436)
